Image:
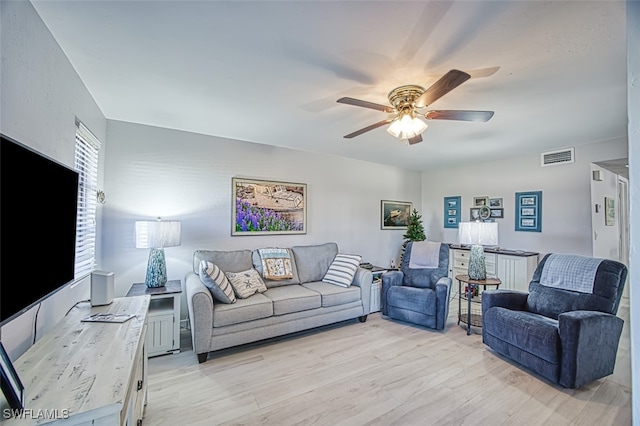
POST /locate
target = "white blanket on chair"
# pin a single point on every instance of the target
(570, 272)
(424, 254)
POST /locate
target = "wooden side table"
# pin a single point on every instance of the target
(474, 298)
(163, 326)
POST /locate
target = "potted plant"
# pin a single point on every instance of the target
(415, 231)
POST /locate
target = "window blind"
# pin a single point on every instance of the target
(86, 164)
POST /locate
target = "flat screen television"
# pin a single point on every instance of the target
(38, 210)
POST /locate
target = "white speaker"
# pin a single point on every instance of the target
(102, 288)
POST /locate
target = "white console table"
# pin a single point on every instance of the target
(515, 268)
(87, 373)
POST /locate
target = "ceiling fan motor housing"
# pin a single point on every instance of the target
(403, 98)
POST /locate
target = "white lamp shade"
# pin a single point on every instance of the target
(481, 233)
(157, 234)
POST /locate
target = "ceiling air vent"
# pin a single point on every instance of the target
(553, 158)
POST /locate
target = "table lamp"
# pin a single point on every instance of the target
(478, 234)
(156, 235)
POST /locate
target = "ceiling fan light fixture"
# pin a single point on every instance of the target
(406, 127)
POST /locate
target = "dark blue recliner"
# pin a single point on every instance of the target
(418, 294)
(565, 328)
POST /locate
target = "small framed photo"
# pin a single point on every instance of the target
(497, 213)
(527, 223)
(528, 211)
(10, 382)
(609, 211)
(528, 201)
(474, 213)
(480, 201)
(495, 203)
(395, 214)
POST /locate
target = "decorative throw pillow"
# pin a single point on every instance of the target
(216, 281)
(276, 263)
(246, 283)
(342, 269)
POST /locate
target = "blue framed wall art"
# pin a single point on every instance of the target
(529, 211)
(452, 208)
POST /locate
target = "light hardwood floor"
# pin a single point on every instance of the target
(382, 372)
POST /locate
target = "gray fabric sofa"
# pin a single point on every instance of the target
(300, 303)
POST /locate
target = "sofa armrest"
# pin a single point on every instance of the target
(364, 279)
(389, 279)
(509, 299)
(200, 304)
(589, 341)
(443, 295)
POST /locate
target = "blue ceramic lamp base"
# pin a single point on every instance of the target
(156, 269)
(477, 266)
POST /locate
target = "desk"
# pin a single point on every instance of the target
(474, 298)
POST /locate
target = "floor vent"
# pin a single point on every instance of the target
(554, 158)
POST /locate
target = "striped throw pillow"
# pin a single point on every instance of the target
(342, 269)
(216, 281)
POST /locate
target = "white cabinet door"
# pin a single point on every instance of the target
(515, 272)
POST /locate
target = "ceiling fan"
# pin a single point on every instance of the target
(407, 103)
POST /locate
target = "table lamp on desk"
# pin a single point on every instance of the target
(478, 234)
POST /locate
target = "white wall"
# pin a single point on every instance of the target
(566, 199)
(633, 102)
(41, 97)
(153, 171)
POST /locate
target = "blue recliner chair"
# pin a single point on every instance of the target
(419, 292)
(565, 328)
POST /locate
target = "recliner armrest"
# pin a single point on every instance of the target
(443, 296)
(589, 341)
(389, 279)
(509, 299)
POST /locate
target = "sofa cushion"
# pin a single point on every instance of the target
(255, 307)
(292, 298)
(217, 283)
(257, 264)
(342, 269)
(313, 262)
(228, 261)
(246, 283)
(333, 295)
(529, 332)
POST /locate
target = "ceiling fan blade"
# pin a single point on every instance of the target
(365, 104)
(415, 139)
(366, 129)
(460, 115)
(447, 83)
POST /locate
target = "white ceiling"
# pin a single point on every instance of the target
(271, 71)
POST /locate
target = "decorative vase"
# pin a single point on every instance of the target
(477, 266)
(156, 269)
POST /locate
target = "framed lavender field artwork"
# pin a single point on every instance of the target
(262, 207)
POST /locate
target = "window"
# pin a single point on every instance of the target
(86, 164)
